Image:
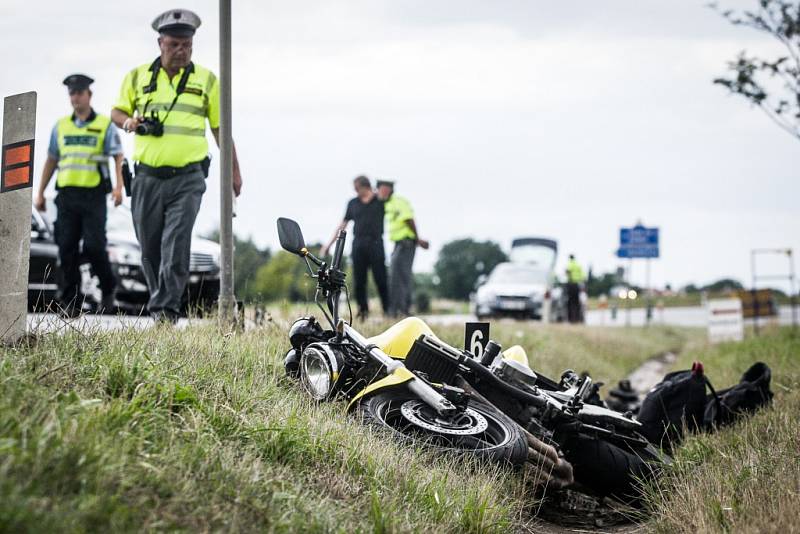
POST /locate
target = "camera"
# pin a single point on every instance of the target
(151, 125)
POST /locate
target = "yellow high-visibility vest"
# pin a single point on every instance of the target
(574, 272)
(80, 151)
(184, 139)
(397, 211)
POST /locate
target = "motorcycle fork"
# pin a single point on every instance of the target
(417, 386)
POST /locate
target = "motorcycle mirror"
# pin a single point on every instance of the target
(291, 236)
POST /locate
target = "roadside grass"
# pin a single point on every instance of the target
(165, 429)
(746, 477)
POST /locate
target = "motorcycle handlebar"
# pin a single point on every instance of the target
(337, 253)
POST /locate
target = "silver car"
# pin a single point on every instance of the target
(526, 287)
(513, 290)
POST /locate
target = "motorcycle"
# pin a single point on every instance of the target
(335, 361)
(495, 406)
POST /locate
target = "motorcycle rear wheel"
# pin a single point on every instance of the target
(480, 430)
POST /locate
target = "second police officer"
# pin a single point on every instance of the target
(80, 145)
(166, 104)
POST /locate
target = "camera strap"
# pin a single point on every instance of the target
(153, 85)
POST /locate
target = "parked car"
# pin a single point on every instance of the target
(125, 257)
(43, 269)
(514, 290)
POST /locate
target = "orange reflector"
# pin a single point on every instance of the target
(17, 155)
(16, 177)
(17, 171)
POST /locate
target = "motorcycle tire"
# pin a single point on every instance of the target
(607, 469)
(501, 441)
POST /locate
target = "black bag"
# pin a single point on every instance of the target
(750, 394)
(677, 401)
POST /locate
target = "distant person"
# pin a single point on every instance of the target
(80, 145)
(366, 212)
(166, 103)
(575, 278)
(403, 233)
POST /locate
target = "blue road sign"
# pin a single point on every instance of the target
(638, 242)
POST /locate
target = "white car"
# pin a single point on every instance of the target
(513, 290)
(525, 287)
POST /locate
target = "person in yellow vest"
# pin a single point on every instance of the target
(166, 103)
(575, 278)
(80, 145)
(403, 233)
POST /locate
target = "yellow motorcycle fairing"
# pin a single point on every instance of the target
(517, 354)
(398, 339)
(401, 375)
(396, 342)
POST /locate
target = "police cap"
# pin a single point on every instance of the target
(77, 82)
(384, 182)
(177, 23)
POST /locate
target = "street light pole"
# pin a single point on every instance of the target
(226, 299)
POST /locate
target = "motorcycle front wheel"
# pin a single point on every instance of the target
(479, 430)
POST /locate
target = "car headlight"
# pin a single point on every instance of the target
(319, 370)
(124, 255)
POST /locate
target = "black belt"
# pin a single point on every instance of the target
(167, 172)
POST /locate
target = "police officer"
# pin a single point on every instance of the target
(366, 212)
(575, 278)
(403, 233)
(80, 145)
(166, 104)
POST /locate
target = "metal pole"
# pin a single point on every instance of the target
(649, 300)
(628, 300)
(793, 290)
(753, 290)
(226, 299)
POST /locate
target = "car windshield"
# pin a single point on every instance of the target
(517, 274)
(534, 255)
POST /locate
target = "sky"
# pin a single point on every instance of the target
(497, 119)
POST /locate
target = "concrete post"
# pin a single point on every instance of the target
(16, 179)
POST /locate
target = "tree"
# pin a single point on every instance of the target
(247, 260)
(460, 264)
(723, 285)
(773, 85)
(284, 278)
(601, 285)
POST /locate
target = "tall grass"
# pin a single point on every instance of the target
(167, 429)
(745, 478)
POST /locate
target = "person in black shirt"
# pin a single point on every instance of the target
(366, 212)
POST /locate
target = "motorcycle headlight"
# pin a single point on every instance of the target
(319, 370)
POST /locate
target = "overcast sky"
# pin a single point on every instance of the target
(496, 118)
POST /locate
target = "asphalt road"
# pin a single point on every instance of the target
(688, 316)
(680, 316)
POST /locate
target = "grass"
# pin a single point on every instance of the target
(189, 430)
(745, 478)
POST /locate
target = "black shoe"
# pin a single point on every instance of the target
(108, 305)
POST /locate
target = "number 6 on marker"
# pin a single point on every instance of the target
(476, 336)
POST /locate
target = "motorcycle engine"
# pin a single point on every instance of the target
(515, 373)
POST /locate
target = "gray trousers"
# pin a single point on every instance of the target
(401, 281)
(164, 211)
